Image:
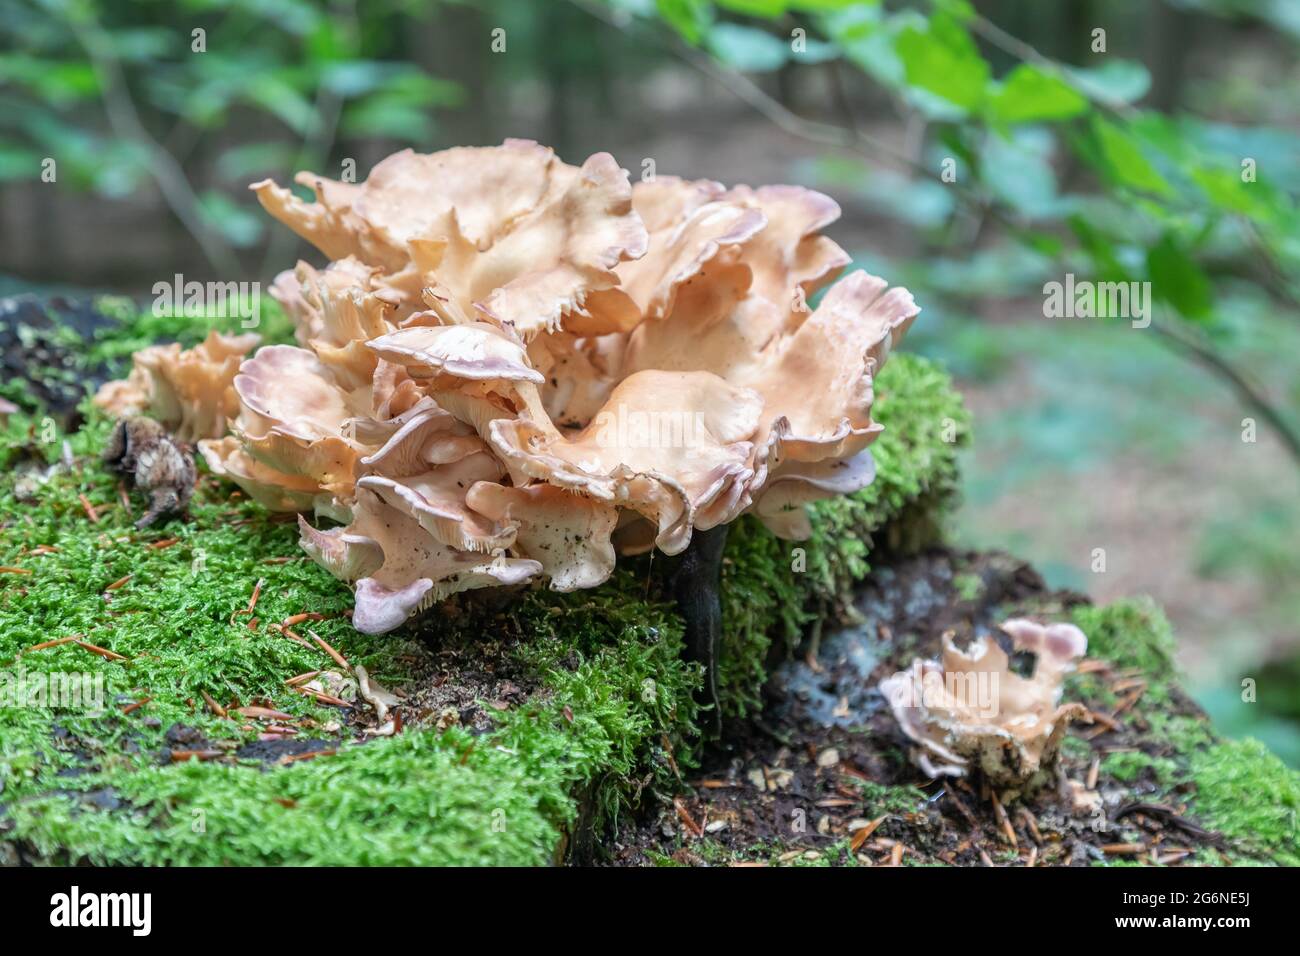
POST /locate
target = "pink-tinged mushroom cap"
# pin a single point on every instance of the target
(669, 445)
(273, 490)
(435, 499)
(790, 254)
(292, 415)
(839, 348)
(409, 443)
(780, 503)
(301, 290)
(689, 227)
(417, 569)
(477, 351)
(971, 711)
(344, 555)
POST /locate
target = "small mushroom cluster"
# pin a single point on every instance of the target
(972, 711)
(188, 391)
(514, 368)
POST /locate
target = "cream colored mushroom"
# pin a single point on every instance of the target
(511, 364)
(509, 233)
(970, 711)
(400, 569)
(187, 390)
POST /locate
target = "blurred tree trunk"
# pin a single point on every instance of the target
(455, 43)
(1171, 36)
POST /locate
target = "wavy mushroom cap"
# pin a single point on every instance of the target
(508, 233)
(187, 390)
(971, 710)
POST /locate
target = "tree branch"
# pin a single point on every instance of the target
(165, 170)
(1247, 393)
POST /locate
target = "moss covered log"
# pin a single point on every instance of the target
(530, 723)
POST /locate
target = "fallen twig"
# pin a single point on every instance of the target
(860, 836)
(307, 755)
(324, 645)
(179, 756)
(212, 704)
(252, 601)
(687, 820)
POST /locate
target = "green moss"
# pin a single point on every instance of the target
(1132, 633)
(879, 798)
(614, 698)
(1182, 733)
(968, 586)
(1238, 788)
(1248, 794)
(1129, 765)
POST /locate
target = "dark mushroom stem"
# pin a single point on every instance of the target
(693, 578)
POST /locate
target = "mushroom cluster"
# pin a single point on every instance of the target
(971, 710)
(515, 368)
(189, 391)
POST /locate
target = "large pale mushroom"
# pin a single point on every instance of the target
(514, 368)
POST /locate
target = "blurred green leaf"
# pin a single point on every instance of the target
(254, 159)
(690, 18)
(824, 6)
(960, 10)
(144, 44)
(17, 163)
(279, 98)
(1123, 159)
(747, 49)
(1018, 170)
(61, 82)
(1226, 189)
(1115, 81)
(867, 42)
(944, 61)
(387, 117)
(1029, 95)
(240, 225)
(1100, 249)
(768, 9)
(1178, 280)
(329, 42)
(349, 78)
